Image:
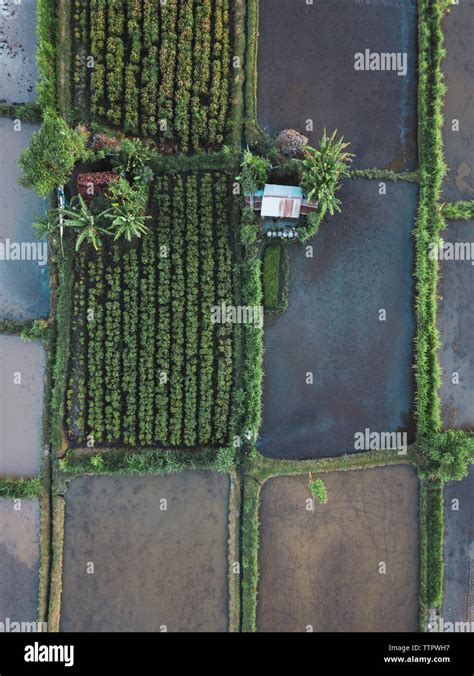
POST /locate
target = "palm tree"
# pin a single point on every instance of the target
(127, 224)
(83, 219)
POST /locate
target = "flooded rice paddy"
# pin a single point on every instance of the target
(456, 325)
(21, 406)
(24, 285)
(307, 77)
(339, 359)
(18, 70)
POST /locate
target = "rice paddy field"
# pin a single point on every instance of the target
(349, 565)
(158, 549)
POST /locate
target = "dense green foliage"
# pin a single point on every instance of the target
(47, 28)
(275, 276)
(271, 275)
(254, 172)
(50, 158)
(252, 366)
(448, 455)
(161, 70)
(148, 366)
(431, 545)
(319, 491)
(249, 228)
(26, 112)
(19, 488)
(323, 171)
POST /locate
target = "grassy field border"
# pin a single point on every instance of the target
(233, 549)
(458, 211)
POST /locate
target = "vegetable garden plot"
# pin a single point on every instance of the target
(161, 70)
(148, 367)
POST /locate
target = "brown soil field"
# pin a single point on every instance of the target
(154, 569)
(458, 68)
(19, 560)
(320, 569)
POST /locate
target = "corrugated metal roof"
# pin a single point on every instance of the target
(282, 201)
(292, 191)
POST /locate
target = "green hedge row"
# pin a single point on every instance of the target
(122, 461)
(458, 211)
(47, 29)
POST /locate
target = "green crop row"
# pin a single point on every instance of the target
(159, 69)
(149, 367)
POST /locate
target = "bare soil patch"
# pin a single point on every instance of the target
(320, 569)
(153, 568)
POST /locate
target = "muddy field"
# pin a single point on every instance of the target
(361, 367)
(153, 568)
(456, 324)
(21, 406)
(24, 285)
(18, 72)
(306, 71)
(458, 605)
(458, 67)
(19, 560)
(320, 569)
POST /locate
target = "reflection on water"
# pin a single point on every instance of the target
(21, 406)
(24, 284)
(19, 560)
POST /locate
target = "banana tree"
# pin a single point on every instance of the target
(89, 224)
(323, 171)
(126, 224)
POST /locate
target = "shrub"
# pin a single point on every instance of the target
(249, 227)
(50, 158)
(319, 491)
